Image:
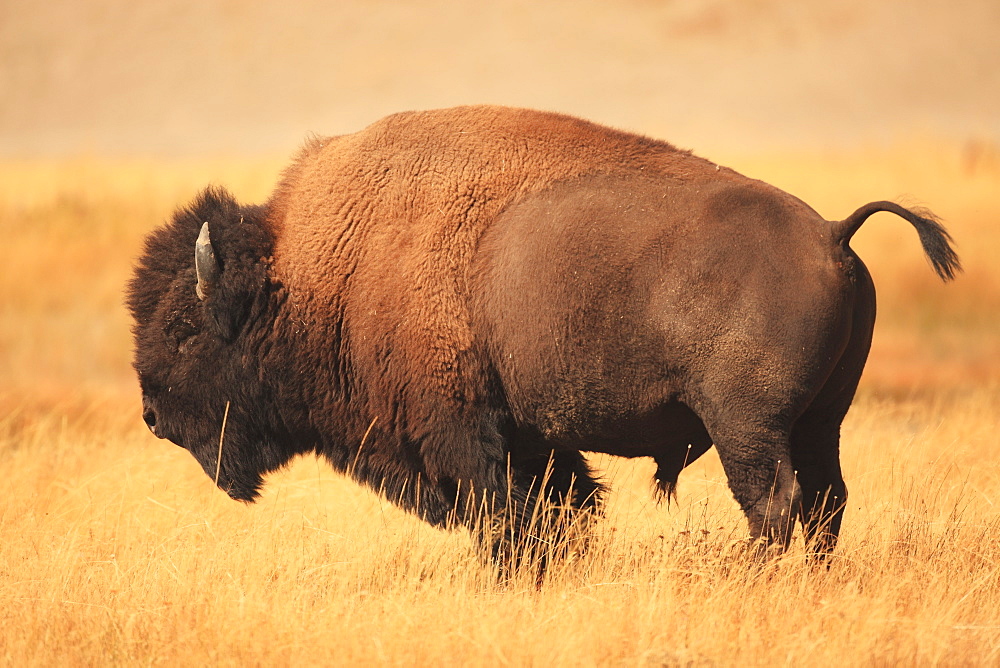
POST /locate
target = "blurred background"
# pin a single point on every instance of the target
(194, 77)
(114, 113)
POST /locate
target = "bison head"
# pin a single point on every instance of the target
(204, 306)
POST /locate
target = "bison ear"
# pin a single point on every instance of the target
(206, 266)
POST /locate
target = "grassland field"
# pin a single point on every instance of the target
(115, 549)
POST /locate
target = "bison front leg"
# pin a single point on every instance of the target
(563, 497)
(550, 502)
(562, 479)
(516, 501)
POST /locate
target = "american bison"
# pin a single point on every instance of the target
(452, 306)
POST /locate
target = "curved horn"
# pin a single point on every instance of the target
(205, 264)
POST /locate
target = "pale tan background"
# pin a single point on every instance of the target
(118, 77)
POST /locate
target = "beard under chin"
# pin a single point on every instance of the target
(242, 486)
(245, 494)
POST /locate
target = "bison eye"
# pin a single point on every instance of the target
(181, 335)
(185, 345)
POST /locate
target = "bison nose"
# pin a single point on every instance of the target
(148, 415)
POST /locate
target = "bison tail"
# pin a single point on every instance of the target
(933, 237)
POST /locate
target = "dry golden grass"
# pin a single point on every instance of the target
(115, 548)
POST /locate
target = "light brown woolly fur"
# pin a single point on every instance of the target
(354, 205)
(377, 229)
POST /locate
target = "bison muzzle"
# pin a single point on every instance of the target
(452, 306)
